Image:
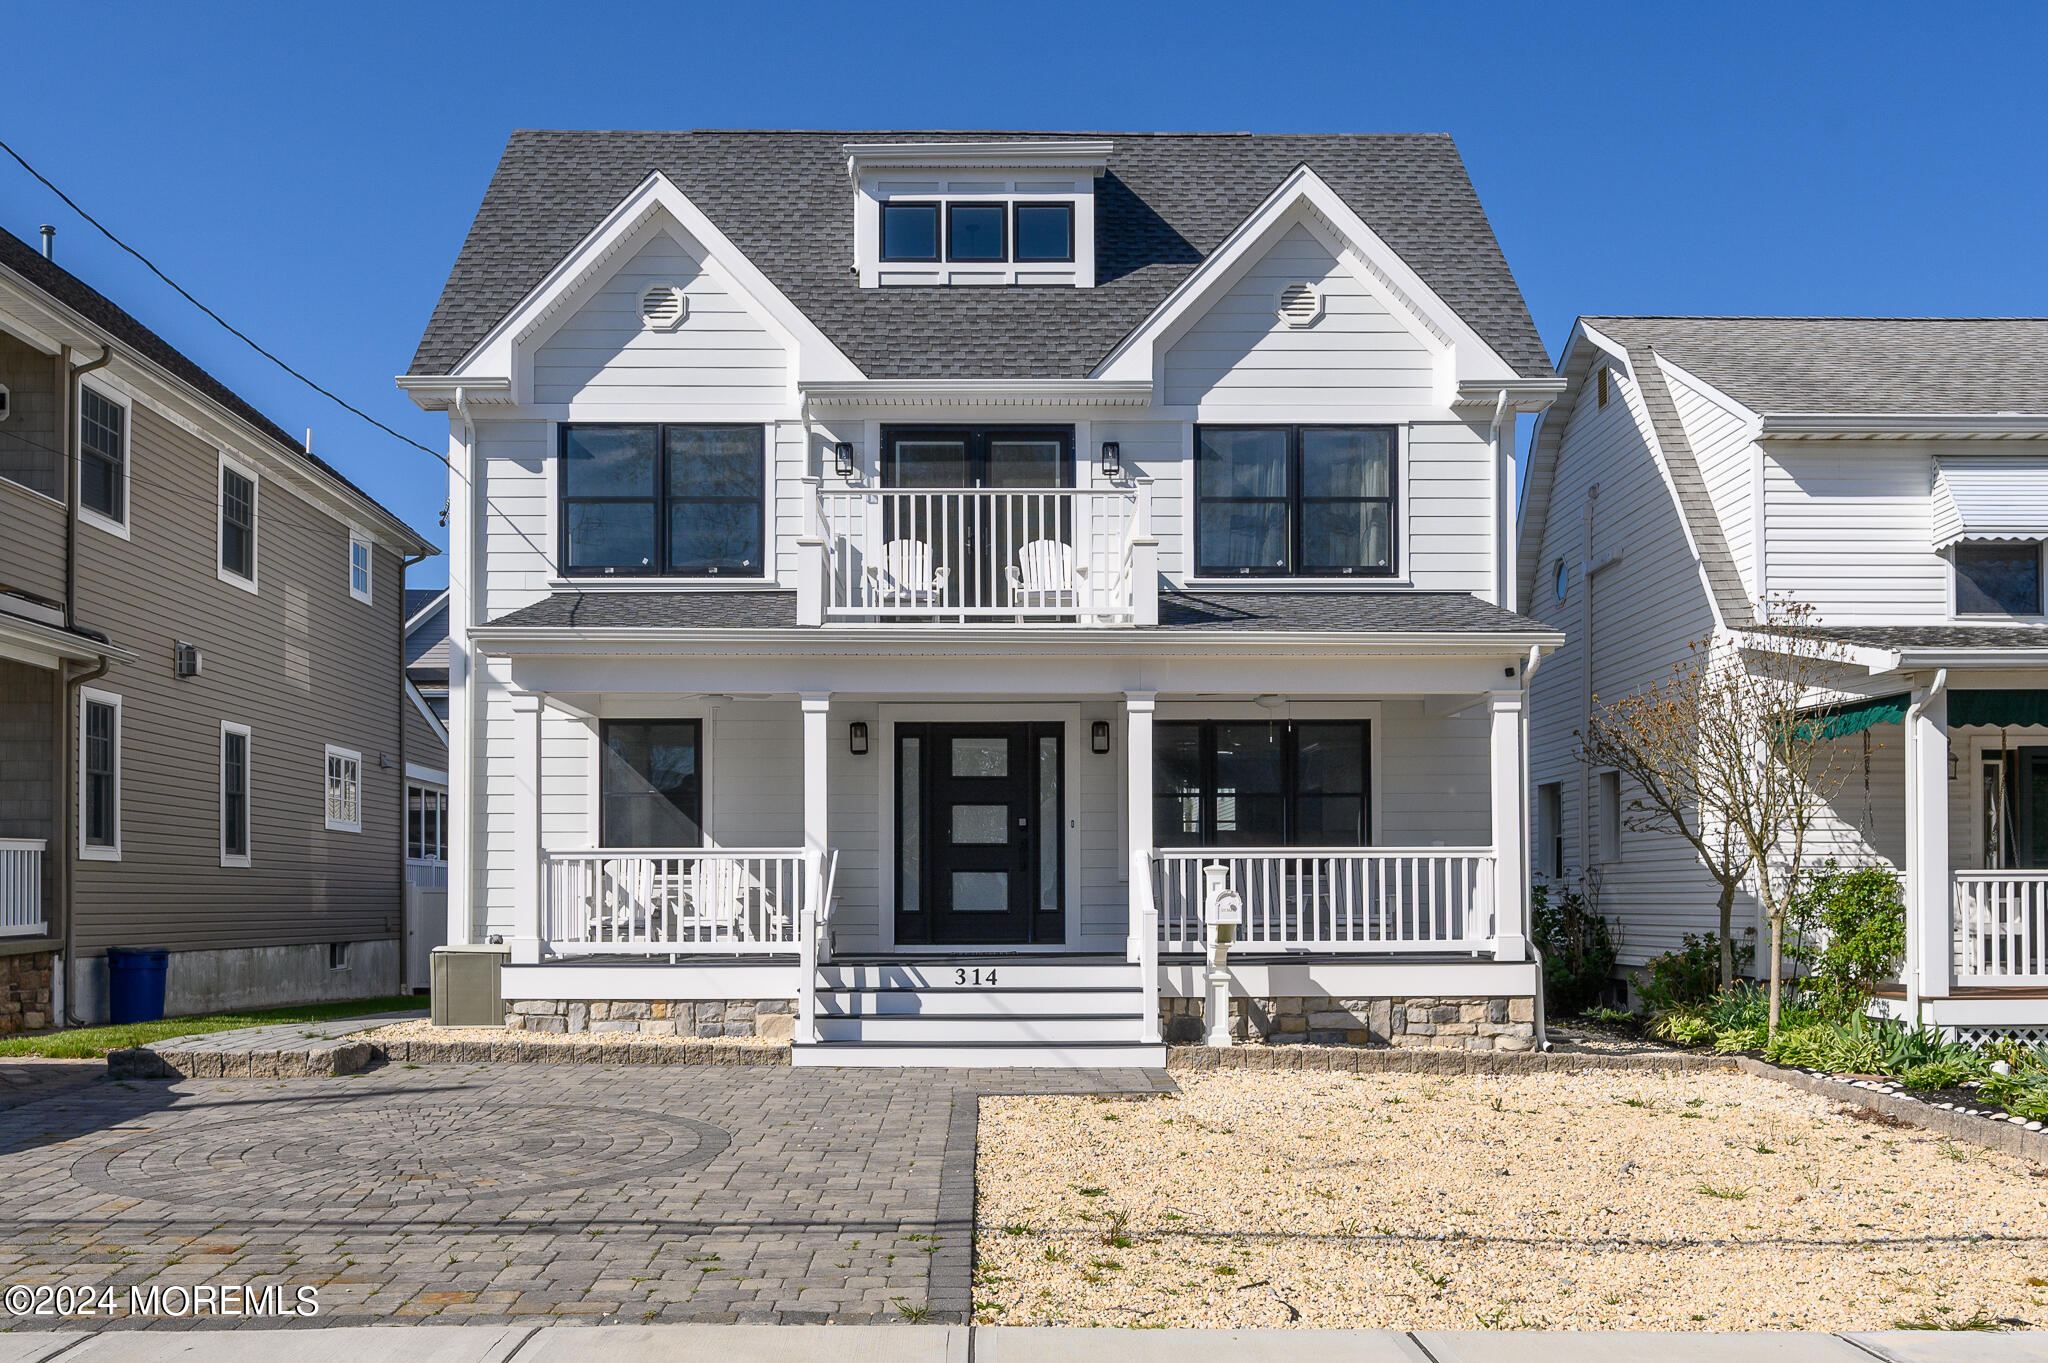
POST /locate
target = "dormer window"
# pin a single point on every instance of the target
(1018, 213)
(1045, 231)
(974, 231)
(910, 231)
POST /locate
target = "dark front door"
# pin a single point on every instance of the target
(977, 539)
(980, 834)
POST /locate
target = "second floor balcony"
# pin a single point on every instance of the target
(993, 556)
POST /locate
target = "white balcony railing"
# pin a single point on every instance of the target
(1026, 555)
(661, 901)
(21, 888)
(1377, 899)
(2001, 927)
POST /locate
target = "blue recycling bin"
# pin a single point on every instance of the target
(135, 983)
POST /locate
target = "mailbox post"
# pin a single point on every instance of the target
(1222, 912)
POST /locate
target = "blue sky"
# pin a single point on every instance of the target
(309, 170)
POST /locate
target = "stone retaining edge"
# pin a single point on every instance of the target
(330, 1059)
(1989, 1132)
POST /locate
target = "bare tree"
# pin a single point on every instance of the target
(1728, 754)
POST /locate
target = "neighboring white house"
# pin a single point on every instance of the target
(887, 568)
(1891, 474)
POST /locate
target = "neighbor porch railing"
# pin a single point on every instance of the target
(2001, 927)
(1378, 899)
(21, 887)
(1020, 555)
(660, 901)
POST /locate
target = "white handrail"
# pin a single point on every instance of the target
(1336, 899)
(815, 945)
(652, 901)
(21, 887)
(2001, 927)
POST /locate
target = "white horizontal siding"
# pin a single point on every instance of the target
(514, 490)
(1849, 531)
(719, 357)
(1157, 450)
(1449, 503)
(1435, 777)
(1241, 354)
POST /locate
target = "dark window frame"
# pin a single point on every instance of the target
(99, 825)
(245, 570)
(1002, 255)
(1016, 234)
(1295, 501)
(660, 500)
(234, 793)
(976, 438)
(938, 230)
(604, 738)
(115, 461)
(1290, 777)
(1999, 612)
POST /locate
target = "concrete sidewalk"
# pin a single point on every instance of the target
(959, 1344)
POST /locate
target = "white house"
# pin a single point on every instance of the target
(887, 568)
(1891, 474)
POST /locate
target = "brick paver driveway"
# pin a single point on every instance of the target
(503, 1192)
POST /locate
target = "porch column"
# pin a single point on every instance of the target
(810, 558)
(527, 885)
(1510, 830)
(817, 707)
(1930, 940)
(1144, 920)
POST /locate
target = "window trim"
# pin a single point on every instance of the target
(1003, 223)
(1396, 541)
(358, 539)
(242, 858)
(939, 230)
(98, 851)
(1016, 205)
(563, 501)
(1955, 585)
(226, 574)
(123, 526)
(703, 728)
(326, 778)
(1206, 724)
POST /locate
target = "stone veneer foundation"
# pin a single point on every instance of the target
(1454, 1024)
(774, 1019)
(25, 991)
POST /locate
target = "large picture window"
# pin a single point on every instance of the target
(652, 783)
(662, 501)
(1294, 501)
(1250, 783)
(2001, 577)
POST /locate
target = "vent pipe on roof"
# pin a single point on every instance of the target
(49, 242)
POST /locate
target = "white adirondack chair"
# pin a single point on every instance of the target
(1047, 573)
(903, 575)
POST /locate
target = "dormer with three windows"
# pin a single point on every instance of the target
(976, 213)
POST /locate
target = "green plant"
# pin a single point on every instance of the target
(2022, 1093)
(1616, 1017)
(1691, 975)
(1838, 1048)
(1684, 1026)
(1849, 935)
(1938, 1074)
(1578, 951)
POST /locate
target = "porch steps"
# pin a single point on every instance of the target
(1069, 1012)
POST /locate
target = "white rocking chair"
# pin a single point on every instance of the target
(904, 576)
(1047, 573)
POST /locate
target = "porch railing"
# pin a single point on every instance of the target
(21, 887)
(1378, 899)
(989, 555)
(2001, 927)
(657, 900)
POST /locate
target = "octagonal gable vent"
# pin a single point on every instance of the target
(1300, 304)
(663, 307)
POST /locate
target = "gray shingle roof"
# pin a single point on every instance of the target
(1891, 366)
(1393, 612)
(1165, 202)
(1693, 501)
(1938, 636)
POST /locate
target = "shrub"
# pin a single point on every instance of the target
(1938, 1074)
(1578, 951)
(1683, 1026)
(1849, 935)
(1690, 976)
(2022, 1093)
(1832, 1046)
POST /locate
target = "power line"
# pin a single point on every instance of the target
(228, 326)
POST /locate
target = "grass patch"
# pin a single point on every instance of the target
(91, 1043)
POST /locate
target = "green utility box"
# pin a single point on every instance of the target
(468, 986)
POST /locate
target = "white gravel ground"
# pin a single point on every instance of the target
(1703, 1201)
(419, 1029)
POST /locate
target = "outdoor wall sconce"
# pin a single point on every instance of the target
(1112, 459)
(1098, 737)
(842, 459)
(857, 738)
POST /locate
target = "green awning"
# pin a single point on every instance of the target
(2003, 708)
(1840, 721)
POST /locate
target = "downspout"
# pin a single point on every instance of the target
(1503, 504)
(1585, 782)
(67, 786)
(461, 872)
(1529, 850)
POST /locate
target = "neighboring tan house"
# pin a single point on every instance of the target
(889, 568)
(1891, 474)
(200, 710)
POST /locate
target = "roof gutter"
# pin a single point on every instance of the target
(885, 641)
(980, 392)
(1903, 425)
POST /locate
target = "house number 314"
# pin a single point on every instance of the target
(961, 976)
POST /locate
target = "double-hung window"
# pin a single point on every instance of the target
(1294, 501)
(99, 776)
(358, 567)
(103, 456)
(344, 790)
(237, 525)
(663, 501)
(234, 794)
(1998, 577)
(1257, 783)
(651, 783)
